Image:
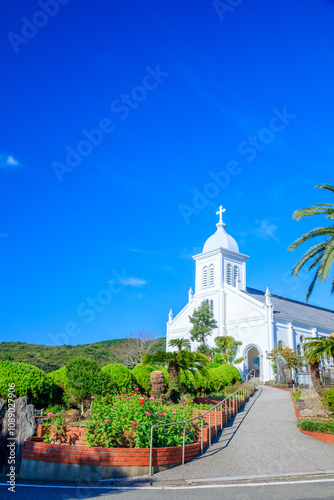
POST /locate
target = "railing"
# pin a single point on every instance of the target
(251, 374)
(245, 391)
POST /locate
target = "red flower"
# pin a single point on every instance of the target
(141, 402)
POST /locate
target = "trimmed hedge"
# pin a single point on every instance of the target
(29, 381)
(121, 378)
(142, 374)
(329, 399)
(59, 377)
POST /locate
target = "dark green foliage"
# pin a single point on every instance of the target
(120, 378)
(225, 375)
(329, 399)
(29, 381)
(203, 322)
(50, 358)
(316, 426)
(84, 381)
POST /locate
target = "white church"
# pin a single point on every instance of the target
(259, 320)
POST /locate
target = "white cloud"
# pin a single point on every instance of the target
(8, 161)
(264, 230)
(132, 281)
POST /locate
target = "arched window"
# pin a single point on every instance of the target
(229, 274)
(211, 275)
(302, 338)
(299, 350)
(280, 344)
(205, 277)
(211, 305)
(235, 275)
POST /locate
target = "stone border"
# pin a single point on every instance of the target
(322, 436)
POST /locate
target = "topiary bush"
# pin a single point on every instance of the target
(59, 377)
(142, 375)
(193, 383)
(231, 372)
(29, 381)
(120, 377)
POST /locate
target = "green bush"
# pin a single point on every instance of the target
(213, 365)
(29, 381)
(59, 377)
(218, 358)
(120, 377)
(218, 378)
(316, 426)
(85, 379)
(329, 399)
(194, 382)
(142, 374)
(231, 372)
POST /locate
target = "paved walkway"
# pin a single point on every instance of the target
(262, 439)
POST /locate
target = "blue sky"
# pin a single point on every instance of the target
(124, 127)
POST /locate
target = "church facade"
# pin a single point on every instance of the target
(259, 320)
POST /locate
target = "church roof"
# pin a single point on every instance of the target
(220, 239)
(294, 310)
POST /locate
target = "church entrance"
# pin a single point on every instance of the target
(253, 361)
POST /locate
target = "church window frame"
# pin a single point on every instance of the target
(299, 350)
(211, 305)
(229, 274)
(280, 344)
(235, 275)
(302, 339)
(205, 277)
(211, 275)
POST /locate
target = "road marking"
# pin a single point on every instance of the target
(278, 483)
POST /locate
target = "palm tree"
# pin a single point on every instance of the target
(180, 343)
(321, 255)
(314, 349)
(182, 360)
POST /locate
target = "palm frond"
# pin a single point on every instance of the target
(315, 262)
(310, 289)
(307, 256)
(329, 187)
(319, 231)
(327, 260)
(317, 209)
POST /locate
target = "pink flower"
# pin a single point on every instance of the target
(160, 413)
(119, 396)
(147, 413)
(114, 404)
(50, 414)
(134, 424)
(127, 399)
(136, 388)
(174, 412)
(92, 397)
(107, 421)
(130, 404)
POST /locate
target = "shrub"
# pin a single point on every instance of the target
(126, 420)
(195, 382)
(120, 378)
(84, 380)
(59, 377)
(231, 372)
(218, 378)
(142, 374)
(29, 381)
(213, 365)
(316, 426)
(218, 358)
(329, 399)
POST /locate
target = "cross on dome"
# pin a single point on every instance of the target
(220, 213)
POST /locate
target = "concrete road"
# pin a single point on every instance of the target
(291, 489)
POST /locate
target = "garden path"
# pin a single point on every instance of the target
(262, 439)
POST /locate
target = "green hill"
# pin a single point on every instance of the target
(50, 358)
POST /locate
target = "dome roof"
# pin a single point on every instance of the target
(220, 240)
